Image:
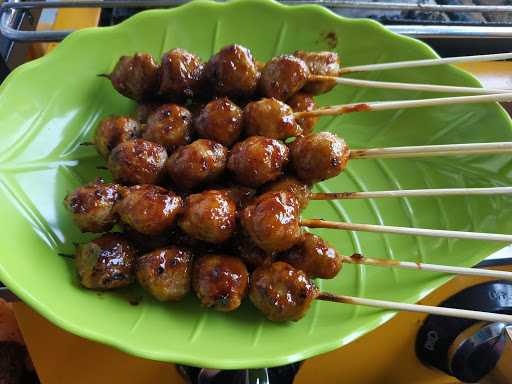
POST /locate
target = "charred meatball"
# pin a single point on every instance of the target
(137, 162)
(220, 282)
(258, 160)
(107, 262)
(319, 156)
(200, 162)
(270, 118)
(149, 209)
(165, 273)
(301, 191)
(182, 74)
(92, 206)
(272, 221)
(320, 63)
(220, 120)
(144, 110)
(136, 77)
(283, 76)
(209, 216)
(252, 255)
(169, 125)
(114, 130)
(315, 257)
(282, 292)
(232, 72)
(301, 102)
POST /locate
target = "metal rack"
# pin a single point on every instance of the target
(10, 10)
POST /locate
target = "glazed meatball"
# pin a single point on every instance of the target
(136, 77)
(182, 74)
(282, 292)
(107, 262)
(144, 110)
(169, 125)
(209, 216)
(220, 282)
(200, 162)
(320, 63)
(258, 160)
(301, 102)
(240, 195)
(315, 257)
(270, 118)
(232, 72)
(149, 209)
(319, 156)
(137, 162)
(220, 120)
(301, 191)
(92, 206)
(114, 130)
(252, 255)
(283, 76)
(165, 273)
(272, 221)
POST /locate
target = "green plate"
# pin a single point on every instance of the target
(49, 106)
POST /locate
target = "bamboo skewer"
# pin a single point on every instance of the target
(411, 193)
(426, 62)
(439, 311)
(407, 86)
(402, 104)
(432, 150)
(359, 259)
(317, 223)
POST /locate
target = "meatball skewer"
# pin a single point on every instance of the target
(284, 293)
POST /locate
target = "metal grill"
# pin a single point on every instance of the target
(417, 18)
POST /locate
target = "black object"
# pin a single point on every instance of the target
(437, 333)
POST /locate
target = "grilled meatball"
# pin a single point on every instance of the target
(239, 194)
(252, 255)
(301, 191)
(112, 131)
(106, 263)
(220, 282)
(137, 162)
(283, 76)
(144, 110)
(319, 156)
(304, 102)
(272, 221)
(282, 292)
(92, 206)
(270, 118)
(136, 77)
(209, 216)
(169, 125)
(220, 120)
(200, 162)
(182, 74)
(165, 273)
(232, 72)
(315, 257)
(320, 63)
(149, 209)
(258, 160)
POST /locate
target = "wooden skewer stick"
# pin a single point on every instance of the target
(407, 86)
(411, 193)
(439, 311)
(401, 104)
(425, 62)
(432, 150)
(317, 223)
(359, 259)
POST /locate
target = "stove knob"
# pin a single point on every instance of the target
(465, 348)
